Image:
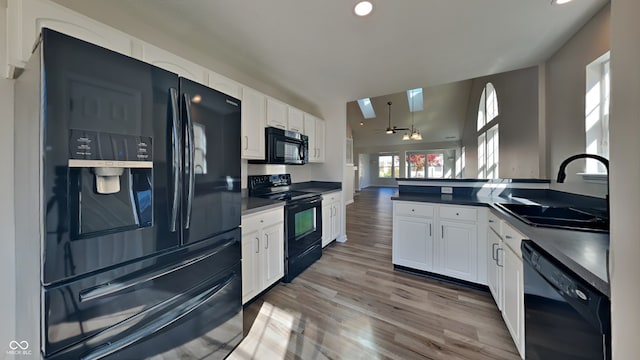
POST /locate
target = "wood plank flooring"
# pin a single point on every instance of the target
(351, 304)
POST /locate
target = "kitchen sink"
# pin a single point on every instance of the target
(558, 217)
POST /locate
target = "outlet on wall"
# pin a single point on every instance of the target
(446, 190)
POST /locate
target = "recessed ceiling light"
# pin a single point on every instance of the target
(363, 8)
(361, 123)
(559, 2)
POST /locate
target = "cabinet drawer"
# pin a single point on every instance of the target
(331, 197)
(495, 223)
(512, 238)
(458, 213)
(263, 218)
(413, 209)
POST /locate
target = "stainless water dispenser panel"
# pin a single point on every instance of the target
(108, 155)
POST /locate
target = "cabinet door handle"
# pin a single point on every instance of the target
(266, 242)
(257, 245)
(246, 142)
(442, 231)
(498, 257)
(490, 221)
(430, 233)
(494, 251)
(508, 237)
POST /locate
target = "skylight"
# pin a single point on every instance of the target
(414, 96)
(367, 108)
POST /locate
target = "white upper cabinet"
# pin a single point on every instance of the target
(295, 120)
(168, 61)
(320, 140)
(25, 19)
(314, 128)
(253, 124)
(276, 113)
(225, 85)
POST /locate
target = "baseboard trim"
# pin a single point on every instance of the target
(341, 238)
(442, 278)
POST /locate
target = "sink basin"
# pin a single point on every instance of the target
(557, 217)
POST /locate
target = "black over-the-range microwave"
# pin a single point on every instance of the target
(284, 147)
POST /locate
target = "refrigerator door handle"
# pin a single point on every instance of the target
(191, 155)
(176, 160)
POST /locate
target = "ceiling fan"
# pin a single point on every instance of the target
(394, 129)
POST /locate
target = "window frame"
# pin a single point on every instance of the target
(395, 165)
(488, 133)
(597, 104)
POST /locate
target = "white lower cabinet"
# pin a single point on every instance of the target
(262, 251)
(457, 250)
(513, 309)
(413, 242)
(442, 239)
(331, 216)
(495, 266)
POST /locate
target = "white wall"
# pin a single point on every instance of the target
(518, 123)
(7, 265)
(625, 178)
(363, 174)
(565, 90)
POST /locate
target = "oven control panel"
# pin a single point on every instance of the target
(269, 181)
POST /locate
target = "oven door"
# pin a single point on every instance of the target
(283, 149)
(303, 225)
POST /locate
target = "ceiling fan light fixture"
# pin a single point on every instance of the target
(406, 136)
(415, 135)
(389, 131)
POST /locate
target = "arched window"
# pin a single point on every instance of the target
(488, 133)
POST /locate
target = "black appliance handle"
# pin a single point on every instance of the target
(166, 319)
(191, 155)
(301, 152)
(176, 159)
(305, 203)
(120, 284)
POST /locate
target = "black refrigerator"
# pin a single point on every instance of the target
(128, 208)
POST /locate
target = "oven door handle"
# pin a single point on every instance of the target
(304, 204)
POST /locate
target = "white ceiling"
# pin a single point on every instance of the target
(322, 52)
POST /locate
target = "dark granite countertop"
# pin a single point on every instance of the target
(252, 205)
(321, 187)
(584, 253)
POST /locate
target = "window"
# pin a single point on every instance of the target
(421, 164)
(366, 108)
(597, 112)
(460, 163)
(488, 134)
(388, 166)
(415, 99)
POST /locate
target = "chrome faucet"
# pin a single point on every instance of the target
(562, 171)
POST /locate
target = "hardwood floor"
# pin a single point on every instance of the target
(351, 304)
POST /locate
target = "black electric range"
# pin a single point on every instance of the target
(302, 220)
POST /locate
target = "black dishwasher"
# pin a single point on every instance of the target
(565, 317)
